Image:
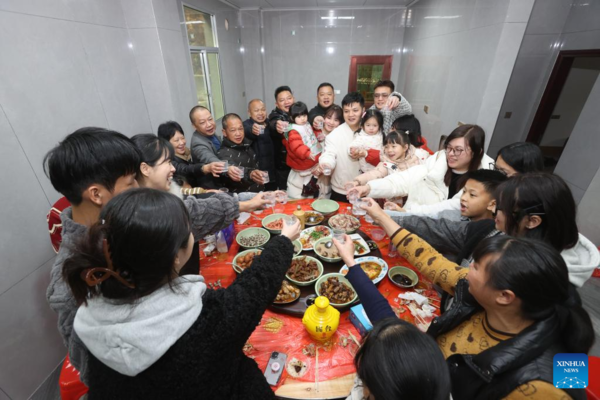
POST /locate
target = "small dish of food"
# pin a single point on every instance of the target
(244, 259)
(337, 289)
(287, 294)
(374, 267)
(377, 234)
(403, 277)
(361, 247)
(349, 223)
(297, 247)
(253, 237)
(313, 218)
(273, 223)
(304, 270)
(326, 250)
(309, 236)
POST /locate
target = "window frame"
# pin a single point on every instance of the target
(203, 51)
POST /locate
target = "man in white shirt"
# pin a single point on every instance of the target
(336, 157)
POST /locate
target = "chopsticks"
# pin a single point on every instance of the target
(317, 370)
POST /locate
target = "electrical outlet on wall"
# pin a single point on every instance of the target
(426, 109)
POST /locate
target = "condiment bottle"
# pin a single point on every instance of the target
(321, 320)
(301, 216)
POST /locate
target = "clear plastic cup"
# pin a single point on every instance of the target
(327, 171)
(357, 210)
(320, 125)
(339, 235)
(368, 219)
(392, 251)
(270, 197)
(352, 196)
(241, 170)
(225, 164)
(265, 176)
(286, 126)
(389, 206)
(290, 220)
(261, 129)
(281, 196)
(348, 186)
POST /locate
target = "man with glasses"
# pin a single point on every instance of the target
(390, 103)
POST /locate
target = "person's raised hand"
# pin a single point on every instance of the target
(390, 205)
(215, 168)
(234, 173)
(257, 176)
(374, 210)
(292, 232)
(255, 203)
(346, 250)
(392, 102)
(361, 191)
(280, 126)
(256, 129)
(318, 122)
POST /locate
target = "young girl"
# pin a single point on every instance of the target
(411, 125)
(368, 143)
(152, 334)
(303, 151)
(514, 310)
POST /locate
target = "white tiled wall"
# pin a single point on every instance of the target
(64, 64)
(458, 56)
(302, 50)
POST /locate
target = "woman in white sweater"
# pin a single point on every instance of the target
(336, 157)
(438, 179)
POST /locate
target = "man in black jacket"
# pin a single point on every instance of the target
(262, 144)
(325, 99)
(237, 151)
(278, 118)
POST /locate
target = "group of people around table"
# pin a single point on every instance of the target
(498, 237)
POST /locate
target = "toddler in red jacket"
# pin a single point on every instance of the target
(303, 151)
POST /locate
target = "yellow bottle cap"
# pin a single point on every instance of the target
(322, 303)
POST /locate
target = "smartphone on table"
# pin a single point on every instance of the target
(275, 367)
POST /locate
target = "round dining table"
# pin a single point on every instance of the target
(332, 372)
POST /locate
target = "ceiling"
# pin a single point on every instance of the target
(298, 4)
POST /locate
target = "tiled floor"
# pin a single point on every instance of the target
(590, 295)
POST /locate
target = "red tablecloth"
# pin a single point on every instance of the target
(284, 333)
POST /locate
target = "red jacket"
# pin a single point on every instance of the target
(298, 154)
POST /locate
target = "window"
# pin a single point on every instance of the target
(204, 52)
(365, 72)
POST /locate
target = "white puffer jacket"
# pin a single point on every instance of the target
(423, 184)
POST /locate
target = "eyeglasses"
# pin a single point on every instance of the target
(456, 151)
(495, 168)
(382, 95)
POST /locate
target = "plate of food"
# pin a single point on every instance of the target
(297, 247)
(326, 250)
(313, 218)
(304, 270)
(361, 247)
(273, 223)
(309, 236)
(375, 268)
(287, 294)
(337, 289)
(245, 259)
(344, 221)
(253, 237)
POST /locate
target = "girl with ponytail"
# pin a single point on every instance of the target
(153, 334)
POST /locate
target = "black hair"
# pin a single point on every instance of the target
(523, 157)
(411, 125)
(490, 179)
(372, 114)
(335, 110)
(168, 129)
(144, 229)
(153, 148)
(537, 274)
(474, 139)
(543, 194)
(397, 361)
(325, 84)
(395, 137)
(90, 156)
(193, 110)
(227, 117)
(384, 83)
(353, 97)
(282, 89)
(298, 109)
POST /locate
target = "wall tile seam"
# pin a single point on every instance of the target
(467, 30)
(137, 67)
(585, 30)
(154, 27)
(62, 19)
(9, 398)
(26, 276)
(25, 154)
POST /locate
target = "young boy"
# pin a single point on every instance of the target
(447, 232)
(89, 167)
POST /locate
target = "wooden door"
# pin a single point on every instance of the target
(365, 72)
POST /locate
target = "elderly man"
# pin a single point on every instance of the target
(262, 144)
(325, 99)
(279, 119)
(205, 145)
(390, 103)
(236, 149)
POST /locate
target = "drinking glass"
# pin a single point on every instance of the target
(225, 165)
(265, 176)
(270, 197)
(360, 207)
(327, 170)
(281, 196)
(242, 171)
(368, 219)
(261, 130)
(389, 206)
(339, 235)
(290, 220)
(286, 126)
(320, 125)
(392, 251)
(352, 196)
